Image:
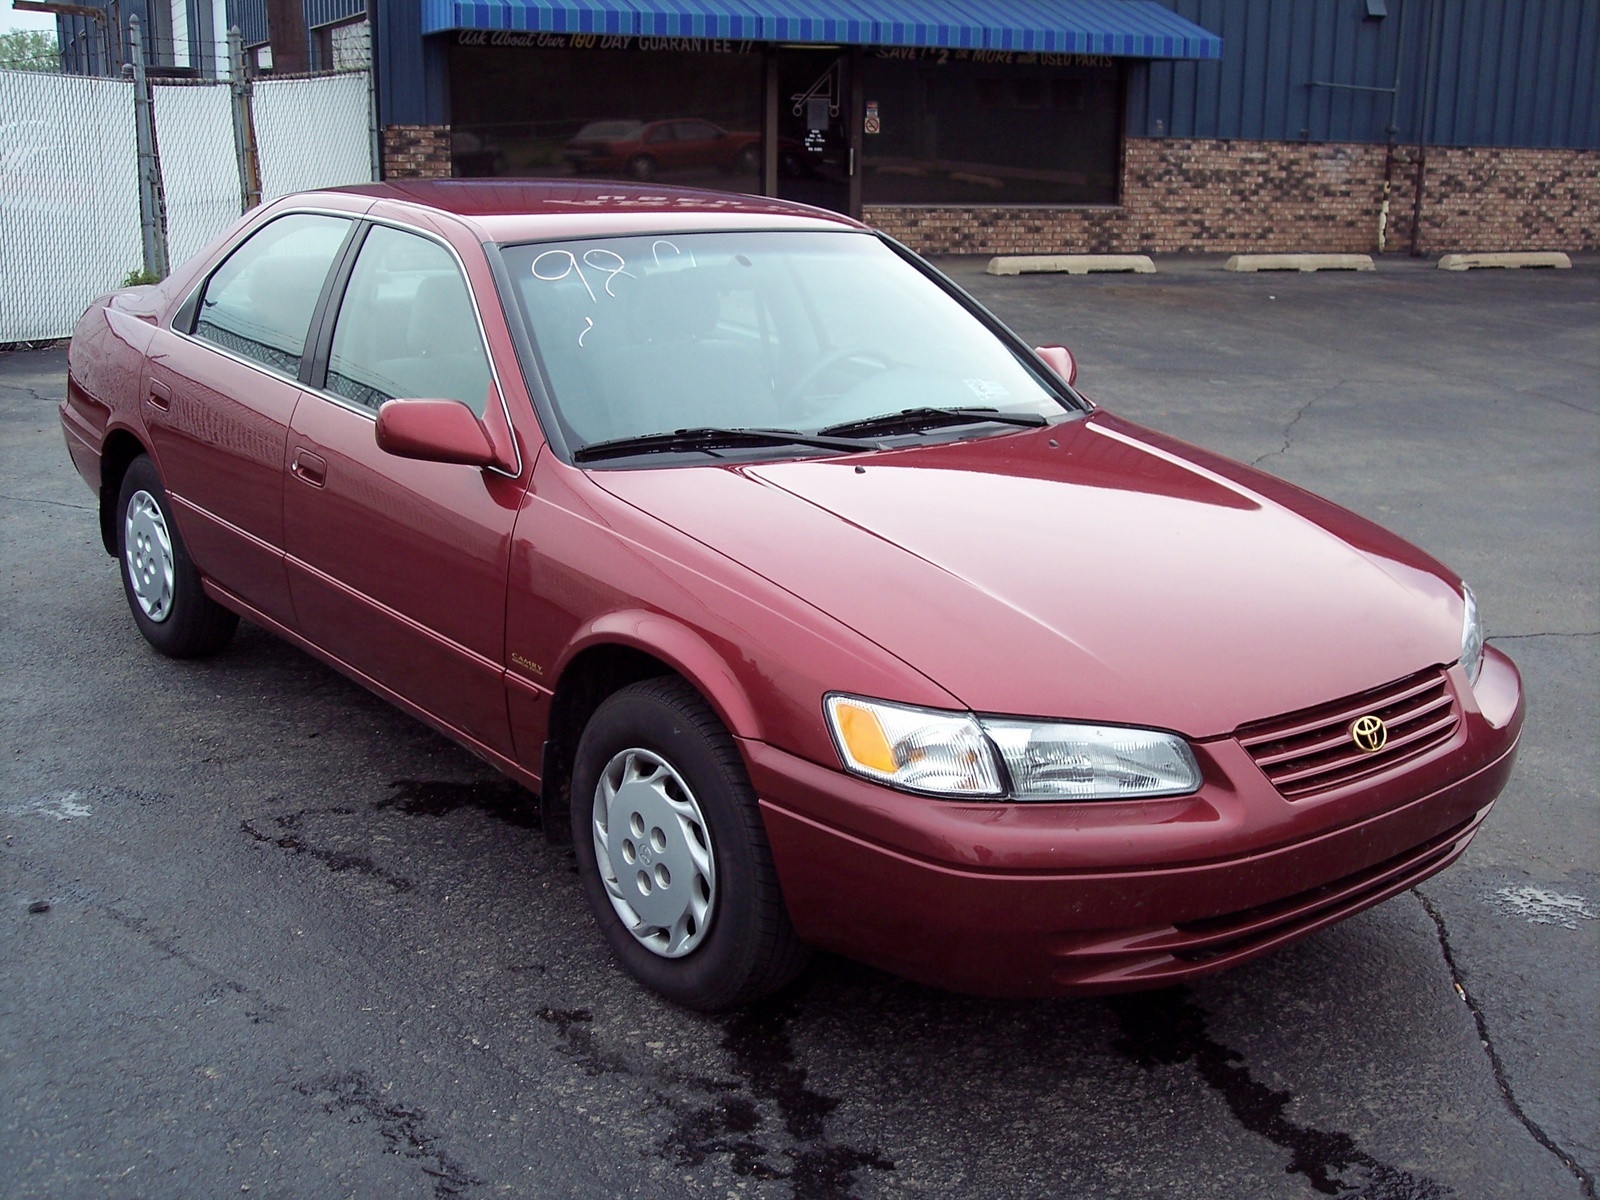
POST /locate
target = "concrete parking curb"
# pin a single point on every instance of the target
(1466, 262)
(1300, 262)
(1070, 264)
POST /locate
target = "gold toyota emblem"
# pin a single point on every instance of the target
(1369, 733)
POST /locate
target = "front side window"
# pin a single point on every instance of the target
(792, 331)
(259, 303)
(406, 327)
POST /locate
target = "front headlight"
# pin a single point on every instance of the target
(1471, 637)
(961, 755)
(921, 749)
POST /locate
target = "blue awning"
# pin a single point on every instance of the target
(1122, 28)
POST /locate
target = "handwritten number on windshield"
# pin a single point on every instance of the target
(555, 265)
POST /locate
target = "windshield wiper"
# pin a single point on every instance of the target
(708, 438)
(915, 420)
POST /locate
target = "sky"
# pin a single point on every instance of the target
(11, 19)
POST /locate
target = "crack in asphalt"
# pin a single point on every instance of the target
(40, 500)
(263, 1013)
(334, 860)
(1167, 1028)
(1288, 429)
(353, 1094)
(1496, 1065)
(765, 1073)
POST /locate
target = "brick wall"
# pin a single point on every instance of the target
(1236, 196)
(416, 151)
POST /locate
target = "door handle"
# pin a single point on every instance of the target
(312, 468)
(160, 394)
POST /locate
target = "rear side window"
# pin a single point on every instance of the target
(406, 327)
(259, 302)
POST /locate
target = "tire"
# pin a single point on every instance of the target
(672, 854)
(641, 167)
(163, 589)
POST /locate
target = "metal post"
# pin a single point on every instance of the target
(1393, 130)
(374, 134)
(244, 124)
(1423, 131)
(152, 207)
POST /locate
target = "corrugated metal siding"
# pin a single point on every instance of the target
(329, 12)
(1506, 73)
(411, 69)
(251, 18)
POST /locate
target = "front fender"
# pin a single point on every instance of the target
(680, 647)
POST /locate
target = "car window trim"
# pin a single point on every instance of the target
(1030, 361)
(188, 310)
(326, 318)
(527, 350)
(529, 361)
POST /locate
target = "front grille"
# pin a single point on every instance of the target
(1311, 751)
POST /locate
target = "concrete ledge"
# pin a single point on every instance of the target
(1299, 262)
(1070, 264)
(1465, 262)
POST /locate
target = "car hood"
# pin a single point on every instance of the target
(1089, 570)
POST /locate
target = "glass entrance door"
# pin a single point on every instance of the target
(815, 158)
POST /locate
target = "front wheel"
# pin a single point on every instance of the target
(163, 588)
(672, 854)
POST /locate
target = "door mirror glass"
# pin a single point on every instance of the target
(1059, 359)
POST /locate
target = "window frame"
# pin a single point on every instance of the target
(530, 359)
(314, 369)
(187, 314)
(312, 376)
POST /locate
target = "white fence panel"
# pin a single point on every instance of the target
(69, 198)
(312, 132)
(199, 175)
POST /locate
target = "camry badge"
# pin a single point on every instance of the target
(1369, 733)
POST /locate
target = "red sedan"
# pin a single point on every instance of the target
(821, 610)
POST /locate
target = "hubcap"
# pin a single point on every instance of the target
(147, 546)
(653, 849)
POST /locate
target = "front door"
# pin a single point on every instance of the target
(398, 567)
(816, 155)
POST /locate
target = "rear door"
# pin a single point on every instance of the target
(398, 567)
(219, 391)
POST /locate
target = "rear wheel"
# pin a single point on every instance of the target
(164, 594)
(641, 167)
(672, 853)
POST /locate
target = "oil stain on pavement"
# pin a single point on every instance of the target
(1166, 1028)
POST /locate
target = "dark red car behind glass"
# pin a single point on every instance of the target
(819, 610)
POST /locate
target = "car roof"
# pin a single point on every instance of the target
(539, 209)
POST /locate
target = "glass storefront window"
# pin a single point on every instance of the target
(964, 132)
(664, 116)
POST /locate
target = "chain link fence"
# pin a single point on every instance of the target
(337, 108)
(71, 225)
(194, 144)
(69, 198)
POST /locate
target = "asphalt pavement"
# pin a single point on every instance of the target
(264, 935)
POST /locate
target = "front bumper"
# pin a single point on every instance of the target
(1045, 899)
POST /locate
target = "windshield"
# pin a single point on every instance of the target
(791, 331)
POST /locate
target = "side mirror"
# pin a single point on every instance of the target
(1059, 359)
(442, 431)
